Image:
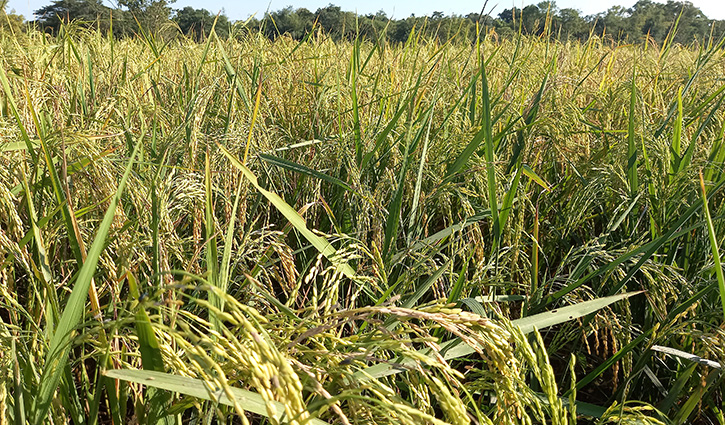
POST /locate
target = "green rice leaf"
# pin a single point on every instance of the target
(59, 350)
(299, 168)
(250, 401)
(322, 244)
(455, 348)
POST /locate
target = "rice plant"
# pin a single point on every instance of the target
(514, 231)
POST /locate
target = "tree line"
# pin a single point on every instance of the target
(151, 16)
(635, 24)
(645, 20)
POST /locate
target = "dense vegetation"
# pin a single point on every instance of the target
(645, 20)
(355, 232)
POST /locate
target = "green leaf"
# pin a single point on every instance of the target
(696, 397)
(250, 401)
(582, 408)
(713, 244)
(392, 224)
(509, 197)
(528, 172)
(442, 234)
(455, 348)
(60, 346)
(293, 166)
(631, 144)
(212, 254)
(17, 146)
(29, 144)
(151, 358)
(322, 244)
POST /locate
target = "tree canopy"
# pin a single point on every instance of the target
(9, 21)
(646, 19)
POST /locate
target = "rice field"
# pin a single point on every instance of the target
(515, 231)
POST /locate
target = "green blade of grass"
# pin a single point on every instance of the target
(383, 135)
(59, 350)
(455, 348)
(225, 267)
(354, 65)
(528, 172)
(442, 235)
(425, 286)
(489, 154)
(713, 244)
(18, 384)
(690, 151)
(419, 178)
(610, 362)
(509, 197)
(157, 402)
(582, 408)
(13, 107)
(392, 223)
(484, 134)
(716, 157)
(631, 142)
(212, 254)
(696, 397)
(17, 146)
(232, 74)
(676, 389)
(561, 315)
(299, 168)
(675, 148)
(250, 401)
(322, 244)
(38, 238)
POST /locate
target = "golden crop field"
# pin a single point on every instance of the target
(514, 231)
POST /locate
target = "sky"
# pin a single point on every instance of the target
(238, 10)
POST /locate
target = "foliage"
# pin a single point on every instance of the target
(197, 23)
(9, 22)
(151, 15)
(644, 19)
(90, 12)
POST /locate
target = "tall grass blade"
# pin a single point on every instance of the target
(320, 243)
(713, 244)
(14, 109)
(419, 179)
(509, 197)
(157, 402)
(455, 348)
(250, 401)
(59, 349)
(394, 207)
(631, 140)
(212, 254)
(303, 169)
(19, 387)
(354, 69)
(675, 148)
(696, 397)
(442, 235)
(225, 268)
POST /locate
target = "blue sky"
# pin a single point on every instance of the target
(714, 9)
